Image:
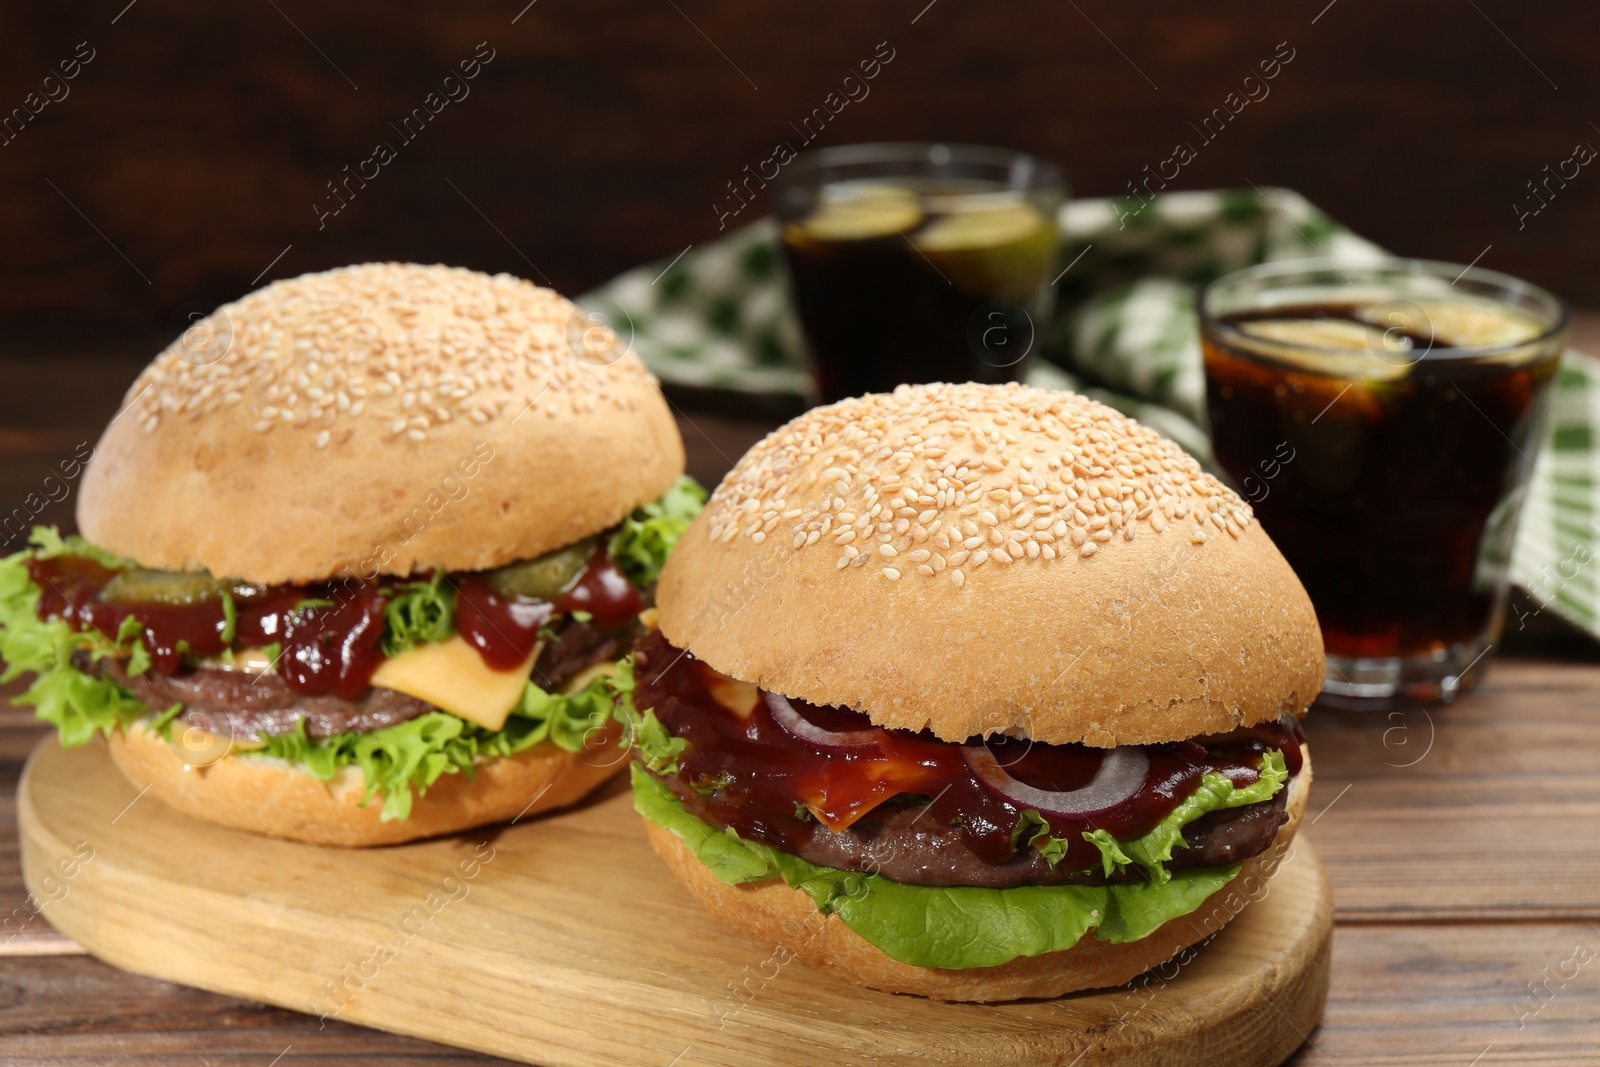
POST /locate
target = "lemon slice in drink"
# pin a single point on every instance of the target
(999, 251)
(856, 212)
(1459, 323)
(974, 228)
(1336, 348)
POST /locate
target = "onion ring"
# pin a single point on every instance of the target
(1121, 775)
(798, 726)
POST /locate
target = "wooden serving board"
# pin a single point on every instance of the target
(564, 941)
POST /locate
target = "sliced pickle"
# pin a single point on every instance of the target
(862, 211)
(546, 577)
(173, 588)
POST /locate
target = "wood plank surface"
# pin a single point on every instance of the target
(24, 931)
(1426, 996)
(565, 941)
(1487, 809)
(1458, 995)
(1442, 924)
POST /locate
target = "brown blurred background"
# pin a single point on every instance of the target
(189, 156)
(188, 152)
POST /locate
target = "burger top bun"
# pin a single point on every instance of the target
(975, 560)
(379, 419)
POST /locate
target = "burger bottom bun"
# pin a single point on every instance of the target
(269, 796)
(771, 913)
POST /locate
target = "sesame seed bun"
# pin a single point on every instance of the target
(378, 419)
(771, 913)
(948, 558)
(269, 796)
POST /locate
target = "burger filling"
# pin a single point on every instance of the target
(949, 854)
(404, 679)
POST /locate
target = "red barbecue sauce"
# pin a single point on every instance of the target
(331, 649)
(765, 773)
(326, 650)
(505, 629)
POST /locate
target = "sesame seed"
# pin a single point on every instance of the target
(316, 347)
(951, 476)
(891, 574)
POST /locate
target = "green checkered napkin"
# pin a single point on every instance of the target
(718, 317)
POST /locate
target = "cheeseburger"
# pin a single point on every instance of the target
(977, 692)
(358, 557)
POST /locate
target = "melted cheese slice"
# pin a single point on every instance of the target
(248, 660)
(451, 675)
(581, 680)
(738, 697)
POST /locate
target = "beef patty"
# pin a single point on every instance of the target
(242, 704)
(246, 705)
(579, 646)
(899, 843)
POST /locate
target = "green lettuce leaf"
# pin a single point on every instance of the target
(1153, 849)
(1112, 858)
(640, 547)
(643, 732)
(1035, 831)
(129, 636)
(46, 542)
(1136, 909)
(418, 612)
(76, 704)
(927, 926)
(729, 858)
(412, 755)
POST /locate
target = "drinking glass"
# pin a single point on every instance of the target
(919, 262)
(1382, 420)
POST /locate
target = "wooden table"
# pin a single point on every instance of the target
(1463, 844)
